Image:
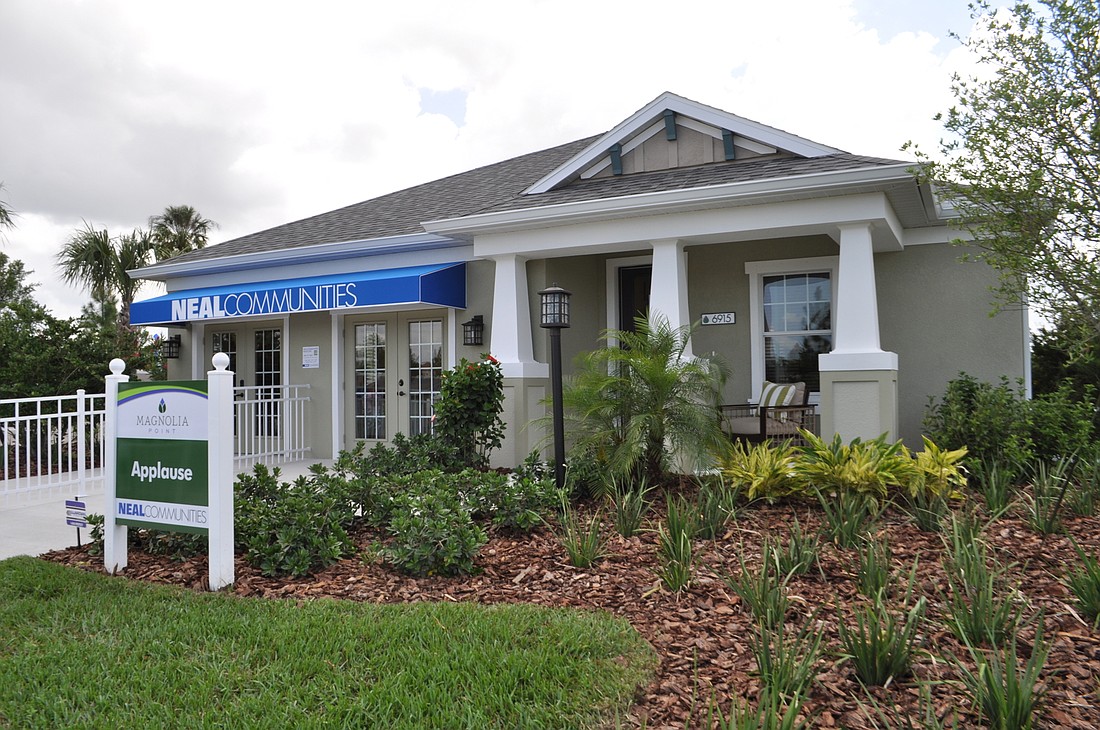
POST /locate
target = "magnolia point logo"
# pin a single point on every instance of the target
(162, 422)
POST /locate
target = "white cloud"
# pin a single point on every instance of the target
(258, 113)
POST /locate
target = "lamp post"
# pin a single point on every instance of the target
(554, 316)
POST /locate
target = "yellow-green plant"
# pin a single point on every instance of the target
(865, 467)
(764, 471)
(939, 472)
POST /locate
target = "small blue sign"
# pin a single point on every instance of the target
(76, 513)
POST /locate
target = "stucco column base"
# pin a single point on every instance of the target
(522, 406)
(859, 403)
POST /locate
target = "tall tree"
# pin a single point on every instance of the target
(1021, 162)
(179, 229)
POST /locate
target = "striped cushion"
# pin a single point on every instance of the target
(773, 394)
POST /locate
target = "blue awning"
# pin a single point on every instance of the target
(441, 284)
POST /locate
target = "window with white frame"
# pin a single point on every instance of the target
(791, 310)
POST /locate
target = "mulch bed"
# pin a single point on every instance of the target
(702, 635)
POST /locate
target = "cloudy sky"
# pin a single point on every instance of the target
(259, 113)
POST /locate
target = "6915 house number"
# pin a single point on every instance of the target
(718, 318)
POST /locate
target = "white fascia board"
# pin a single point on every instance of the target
(298, 254)
(678, 104)
(741, 193)
(777, 219)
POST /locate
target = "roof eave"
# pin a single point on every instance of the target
(741, 193)
(298, 255)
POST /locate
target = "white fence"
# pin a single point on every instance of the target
(58, 441)
(50, 442)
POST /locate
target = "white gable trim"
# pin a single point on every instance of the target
(645, 116)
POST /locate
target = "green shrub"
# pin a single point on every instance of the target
(989, 420)
(880, 644)
(980, 608)
(1046, 499)
(996, 481)
(874, 572)
(869, 468)
(847, 516)
(1083, 580)
(1059, 424)
(763, 592)
(432, 532)
(998, 423)
(1007, 695)
(629, 507)
(764, 471)
(583, 542)
(675, 559)
(468, 425)
(798, 553)
(715, 505)
(786, 666)
(289, 529)
(516, 502)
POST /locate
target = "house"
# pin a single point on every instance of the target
(803, 261)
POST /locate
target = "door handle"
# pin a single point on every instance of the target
(401, 392)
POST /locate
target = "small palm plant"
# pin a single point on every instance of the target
(643, 402)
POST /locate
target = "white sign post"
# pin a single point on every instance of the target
(169, 463)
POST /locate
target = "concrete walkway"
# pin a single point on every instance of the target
(32, 521)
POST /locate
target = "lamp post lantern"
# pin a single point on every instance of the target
(554, 316)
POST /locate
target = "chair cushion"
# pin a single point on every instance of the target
(773, 394)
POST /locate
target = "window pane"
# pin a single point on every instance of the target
(791, 358)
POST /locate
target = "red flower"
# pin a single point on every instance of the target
(492, 359)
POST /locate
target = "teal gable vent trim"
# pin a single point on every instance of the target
(670, 125)
(727, 143)
(616, 159)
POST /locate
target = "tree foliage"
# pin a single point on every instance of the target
(41, 354)
(1021, 162)
(179, 229)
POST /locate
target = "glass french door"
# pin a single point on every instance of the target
(394, 367)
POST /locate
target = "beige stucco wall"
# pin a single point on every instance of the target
(933, 312)
(314, 329)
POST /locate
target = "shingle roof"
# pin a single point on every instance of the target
(402, 212)
(499, 187)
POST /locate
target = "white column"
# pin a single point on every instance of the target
(510, 340)
(855, 321)
(668, 293)
(859, 383)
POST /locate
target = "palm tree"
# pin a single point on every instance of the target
(7, 218)
(641, 402)
(179, 229)
(93, 259)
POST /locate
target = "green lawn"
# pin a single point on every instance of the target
(84, 650)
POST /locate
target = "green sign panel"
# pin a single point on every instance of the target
(161, 468)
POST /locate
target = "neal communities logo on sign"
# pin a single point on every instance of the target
(161, 468)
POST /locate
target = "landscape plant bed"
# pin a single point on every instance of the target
(702, 635)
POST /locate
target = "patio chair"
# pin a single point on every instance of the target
(781, 411)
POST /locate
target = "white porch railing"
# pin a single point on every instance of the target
(270, 423)
(57, 441)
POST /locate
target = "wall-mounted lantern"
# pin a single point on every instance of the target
(473, 331)
(171, 347)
